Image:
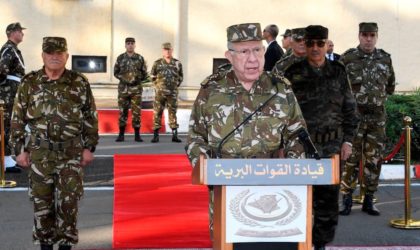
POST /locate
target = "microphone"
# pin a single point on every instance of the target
(219, 147)
(309, 146)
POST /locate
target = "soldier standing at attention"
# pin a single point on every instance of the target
(58, 106)
(328, 106)
(130, 68)
(12, 69)
(372, 78)
(166, 75)
(230, 96)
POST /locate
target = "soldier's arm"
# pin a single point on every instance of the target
(18, 120)
(153, 72)
(293, 146)
(390, 88)
(90, 121)
(5, 60)
(117, 69)
(143, 70)
(350, 116)
(197, 141)
(180, 74)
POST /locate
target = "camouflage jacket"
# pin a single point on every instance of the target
(55, 110)
(11, 61)
(325, 97)
(167, 76)
(130, 69)
(223, 103)
(285, 62)
(371, 75)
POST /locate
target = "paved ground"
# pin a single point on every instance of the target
(95, 220)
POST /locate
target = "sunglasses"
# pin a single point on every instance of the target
(311, 43)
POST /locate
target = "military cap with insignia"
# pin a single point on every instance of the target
(316, 32)
(298, 33)
(52, 44)
(244, 32)
(14, 27)
(130, 40)
(166, 46)
(368, 27)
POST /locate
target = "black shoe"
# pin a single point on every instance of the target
(64, 247)
(347, 204)
(46, 247)
(369, 207)
(137, 136)
(120, 138)
(15, 169)
(175, 136)
(155, 136)
(319, 247)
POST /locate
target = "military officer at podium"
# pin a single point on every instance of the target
(230, 96)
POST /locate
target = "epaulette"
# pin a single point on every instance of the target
(381, 51)
(220, 73)
(28, 75)
(351, 50)
(276, 77)
(76, 74)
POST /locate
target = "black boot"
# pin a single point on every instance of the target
(46, 247)
(137, 136)
(347, 204)
(121, 135)
(368, 205)
(319, 247)
(175, 136)
(64, 247)
(155, 136)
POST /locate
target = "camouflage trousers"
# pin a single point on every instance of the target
(7, 94)
(325, 200)
(127, 99)
(55, 187)
(162, 100)
(368, 144)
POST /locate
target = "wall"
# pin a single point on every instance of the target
(197, 29)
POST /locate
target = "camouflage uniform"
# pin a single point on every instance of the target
(285, 62)
(62, 118)
(372, 79)
(166, 77)
(131, 71)
(12, 69)
(329, 109)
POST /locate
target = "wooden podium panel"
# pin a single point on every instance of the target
(262, 172)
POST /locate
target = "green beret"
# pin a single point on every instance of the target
(244, 32)
(368, 27)
(54, 44)
(316, 32)
(14, 27)
(166, 46)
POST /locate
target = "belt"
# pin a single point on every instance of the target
(326, 137)
(56, 146)
(370, 109)
(13, 78)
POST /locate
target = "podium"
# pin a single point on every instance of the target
(246, 211)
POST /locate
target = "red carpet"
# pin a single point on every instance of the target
(155, 205)
(108, 121)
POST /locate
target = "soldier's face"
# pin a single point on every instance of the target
(285, 42)
(298, 46)
(167, 53)
(368, 41)
(55, 60)
(130, 46)
(315, 51)
(17, 36)
(247, 59)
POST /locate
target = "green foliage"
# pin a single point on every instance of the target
(397, 107)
